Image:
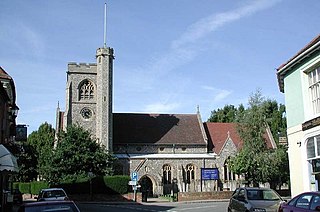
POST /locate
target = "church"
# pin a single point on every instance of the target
(161, 149)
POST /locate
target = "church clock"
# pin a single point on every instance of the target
(86, 113)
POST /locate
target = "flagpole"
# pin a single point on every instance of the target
(105, 26)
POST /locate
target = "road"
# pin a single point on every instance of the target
(170, 207)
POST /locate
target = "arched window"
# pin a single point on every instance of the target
(86, 90)
(166, 174)
(228, 174)
(190, 172)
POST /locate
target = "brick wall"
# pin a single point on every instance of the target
(189, 196)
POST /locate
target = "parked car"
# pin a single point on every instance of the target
(65, 205)
(254, 199)
(307, 201)
(50, 194)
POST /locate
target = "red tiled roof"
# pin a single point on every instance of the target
(218, 134)
(133, 128)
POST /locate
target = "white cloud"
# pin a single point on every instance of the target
(218, 94)
(221, 95)
(182, 51)
(211, 23)
(161, 107)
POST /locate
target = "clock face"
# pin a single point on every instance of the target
(86, 113)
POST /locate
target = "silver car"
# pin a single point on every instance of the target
(254, 199)
(50, 194)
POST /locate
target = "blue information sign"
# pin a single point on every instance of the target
(209, 173)
(134, 176)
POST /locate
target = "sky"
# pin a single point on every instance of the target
(171, 56)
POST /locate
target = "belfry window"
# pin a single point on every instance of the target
(166, 174)
(86, 90)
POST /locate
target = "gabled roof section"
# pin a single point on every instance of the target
(219, 133)
(4, 74)
(305, 52)
(157, 129)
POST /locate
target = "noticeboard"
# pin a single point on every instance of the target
(209, 173)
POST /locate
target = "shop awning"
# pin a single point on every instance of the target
(8, 162)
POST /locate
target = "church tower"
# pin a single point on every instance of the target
(89, 96)
(104, 96)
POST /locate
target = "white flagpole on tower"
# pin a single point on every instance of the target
(105, 26)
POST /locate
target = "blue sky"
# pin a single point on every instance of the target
(170, 55)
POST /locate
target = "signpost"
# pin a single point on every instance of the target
(134, 176)
(133, 182)
(209, 174)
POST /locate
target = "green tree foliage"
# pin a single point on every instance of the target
(255, 161)
(77, 154)
(27, 162)
(274, 117)
(42, 141)
(225, 115)
(251, 129)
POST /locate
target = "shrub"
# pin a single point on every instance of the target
(118, 183)
(37, 186)
(25, 188)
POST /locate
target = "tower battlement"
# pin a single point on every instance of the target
(105, 52)
(85, 65)
(82, 67)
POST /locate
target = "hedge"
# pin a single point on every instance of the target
(118, 183)
(100, 185)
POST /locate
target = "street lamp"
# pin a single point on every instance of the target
(14, 111)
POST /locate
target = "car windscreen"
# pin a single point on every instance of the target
(262, 195)
(54, 193)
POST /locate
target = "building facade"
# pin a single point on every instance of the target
(8, 114)
(225, 141)
(163, 150)
(299, 80)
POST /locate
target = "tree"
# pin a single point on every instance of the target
(77, 154)
(41, 142)
(274, 117)
(27, 162)
(255, 161)
(251, 128)
(226, 115)
(276, 166)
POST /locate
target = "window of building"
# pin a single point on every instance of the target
(190, 172)
(228, 174)
(313, 147)
(314, 89)
(86, 90)
(166, 174)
